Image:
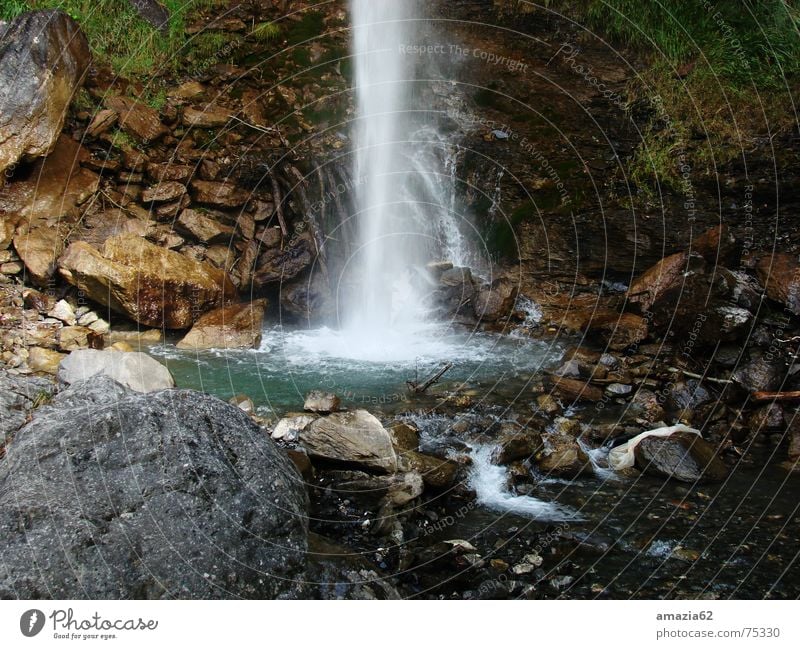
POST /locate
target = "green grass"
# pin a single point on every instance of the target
(119, 36)
(266, 31)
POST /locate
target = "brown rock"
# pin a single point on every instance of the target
(563, 457)
(44, 360)
(237, 326)
(43, 60)
(716, 245)
(102, 121)
(77, 337)
(161, 172)
(164, 192)
(151, 285)
(517, 446)
(137, 120)
(574, 389)
(404, 436)
(666, 275)
(203, 228)
(188, 90)
(780, 275)
(39, 249)
(321, 402)
(280, 265)
(223, 194)
(436, 473)
(496, 301)
(211, 116)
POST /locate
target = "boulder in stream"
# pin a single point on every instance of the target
(683, 456)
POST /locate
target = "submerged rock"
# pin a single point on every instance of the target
(110, 494)
(134, 370)
(682, 456)
(355, 437)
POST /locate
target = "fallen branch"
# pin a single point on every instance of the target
(791, 395)
(421, 388)
(700, 377)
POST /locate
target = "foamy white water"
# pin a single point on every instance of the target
(490, 482)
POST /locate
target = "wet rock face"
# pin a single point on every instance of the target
(151, 285)
(231, 327)
(682, 456)
(174, 494)
(43, 58)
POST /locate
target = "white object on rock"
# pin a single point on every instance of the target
(135, 370)
(64, 312)
(289, 428)
(622, 457)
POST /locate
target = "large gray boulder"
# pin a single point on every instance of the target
(134, 370)
(19, 396)
(110, 494)
(43, 58)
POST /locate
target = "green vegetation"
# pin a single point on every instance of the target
(118, 35)
(266, 32)
(720, 73)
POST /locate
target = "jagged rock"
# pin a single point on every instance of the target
(496, 301)
(404, 436)
(281, 265)
(289, 427)
(563, 457)
(758, 374)
(780, 275)
(229, 327)
(151, 285)
(102, 121)
(211, 116)
(39, 248)
(62, 310)
(354, 437)
(522, 445)
(243, 403)
(668, 275)
(223, 194)
(44, 360)
(43, 58)
(164, 192)
(321, 402)
(169, 171)
(137, 120)
(75, 337)
(683, 456)
(107, 471)
(436, 473)
(19, 396)
(717, 245)
(646, 405)
(203, 228)
(134, 370)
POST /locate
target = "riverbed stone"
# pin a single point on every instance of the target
(355, 437)
(237, 326)
(108, 471)
(321, 402)
(683, 456)
(135, 370)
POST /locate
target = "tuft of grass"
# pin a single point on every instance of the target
(122, 141)
(266, 31)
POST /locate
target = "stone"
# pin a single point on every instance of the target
(12, 268)
(758, 373)
(135, 370)
(43, 60)
(158, 475)
(617, 330)
(716, 245)
(289, 427)
(211, 116)
(276, 265)
(188, 90)
(646, 405)
(103, 120)
(517, 446)
(618, 389)
(683, 456)
(321, 402)
(765, 419)
(203, 228)
(137, 119)
(574, 389)
(39, 248)
(779, 273)
(563, 457)
(668, 275)
(243, 403)
(62, 310)
(75, 337)
(41, 302)
(455, 277)
(153, 12)
(307, 298)
(44, 360)
(353, 437)
(164, 192)
(436, 473)
(19, 397)
(100, 326)
(218, 194)
(405, 437)
(237, 326)
(152, 286)
(169, 171)
(495, 302)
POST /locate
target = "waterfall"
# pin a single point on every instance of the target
(404, 202)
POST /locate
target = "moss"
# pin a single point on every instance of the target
(266, 31)
(311, 26)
